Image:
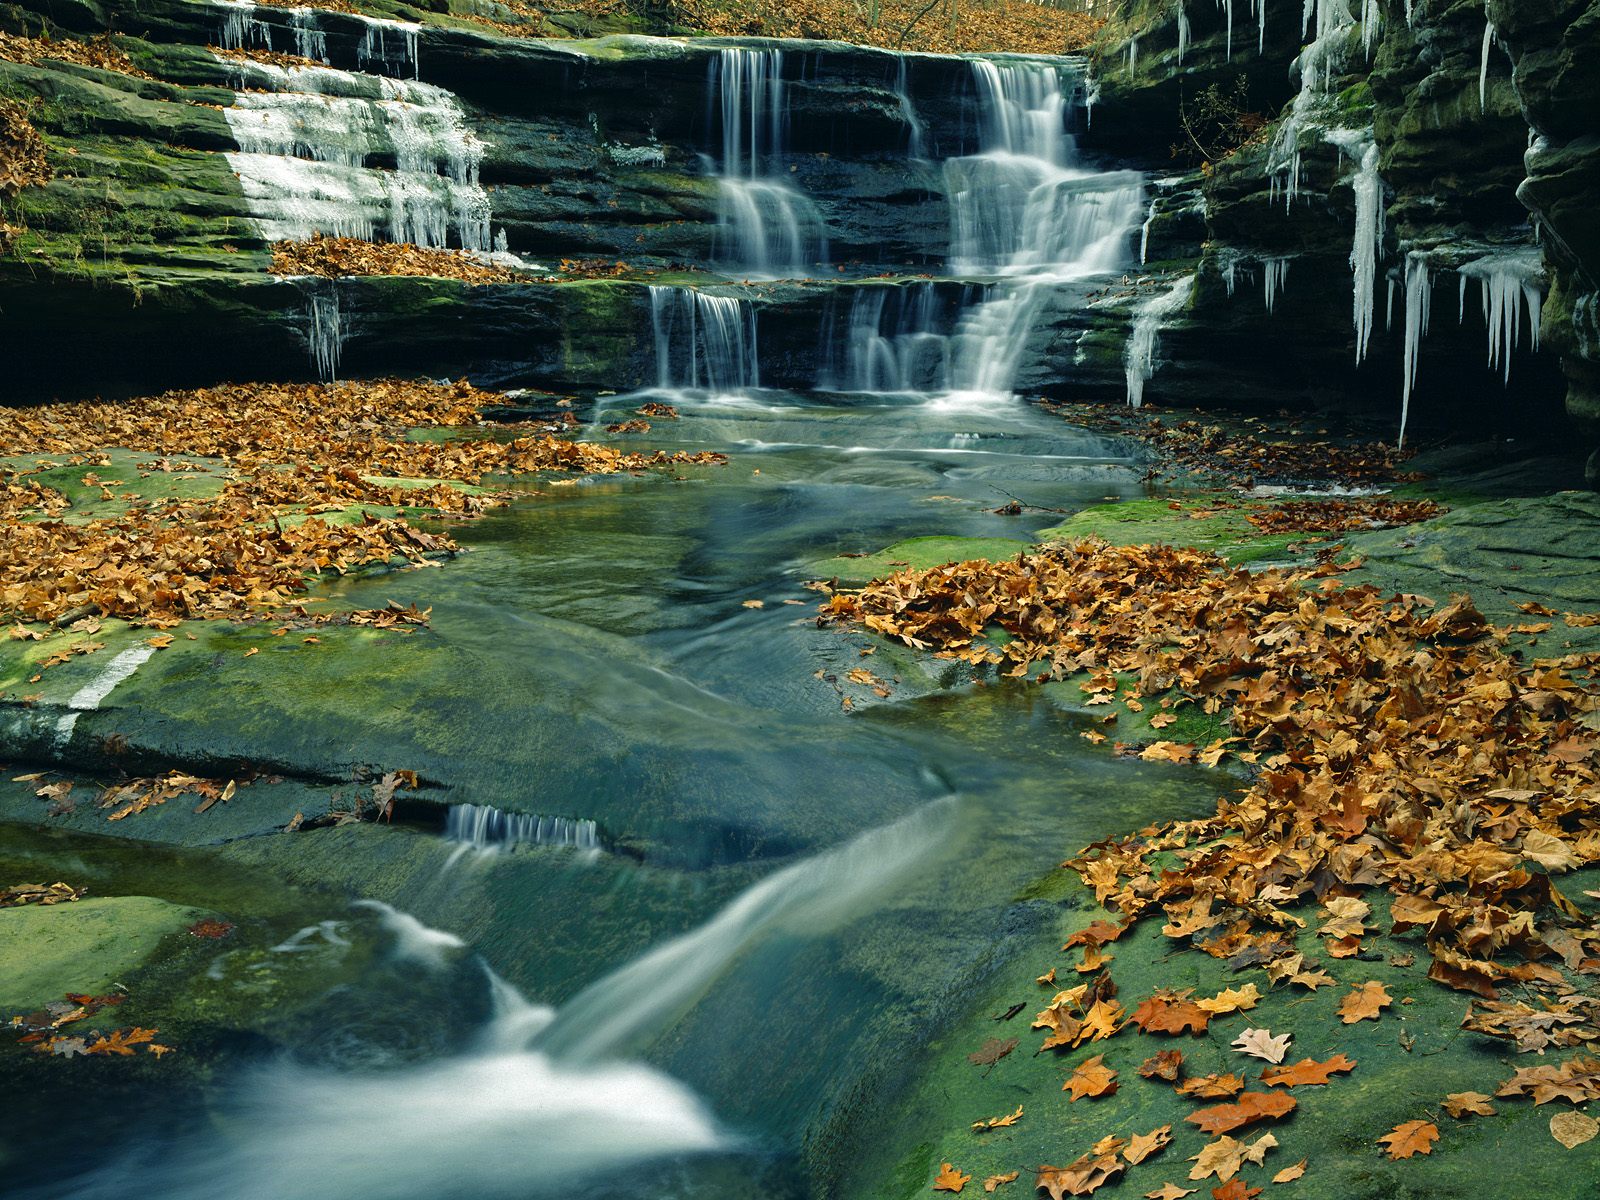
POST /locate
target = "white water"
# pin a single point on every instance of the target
(307, 159)
(917, 133)
(767, 227)
(486, 830)
(1139, 357)
(1022, 211)
(389, 47)
(1489, 37)
(704, 341)
(414, 941)
(540, 1102)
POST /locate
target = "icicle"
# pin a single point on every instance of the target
(325, 333)
(1388, 309)
(1509, 283)
(1275, 273)
(1139, 358)
(1368, 188)
(1489, 37)
(1369, 25)
(1419, 304)
(1229, 276)
(1183, 29)
(1227, 8)
(1133, 53)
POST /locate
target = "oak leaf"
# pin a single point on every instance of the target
(1092, 1078)
(1465, 1104)
(1170, 1191)
(995, 1181)
(1143, 1145)
(1167, 1064)
(1259, 1043)
(1211, 1087)
(1247, 1109)
(1364, 1003)
(1308, 1072)
(1231, 1000)
(992, 1051)
(1226, 1157)
(1410, 1138)
(1171, 1013)
(1238, 1189)
(949, 1179)
(1081, 1177)
(997, 1122)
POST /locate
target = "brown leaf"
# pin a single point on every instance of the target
(1573, 1129)
(1247, 1109)
(1308, 1072)
(1167, 1064)
(1211, 1087)
(1290, 1174)
(997, 1122)
(1170, 1013)
(996, 1181)
(1364, 1003)
(1410, 1138)
(1259, 1043)
(1143, 1145)
(992, 1051)
(1464, 1104)
(949, 1179)
(1081, 1177)
(1092, 1079)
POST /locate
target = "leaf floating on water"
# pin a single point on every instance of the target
(1410, 1138)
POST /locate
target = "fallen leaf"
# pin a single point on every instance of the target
(1143, 1145)
(1464, 1104)
(1231, 1000)
(1226, 1157)
(763, 604)
(992, 1051)
(1236, 1190)
(1092, 1079)
(1308, 1072)
(1364, 1003)
(995, 1181)
(1211, 1087)
(1079, 1178)
(1167, 1064)
(1410, 1138)
(997, 1122)
(1290, 1174)
(1573, 1128)
(1171, 1013)
(949, 1179)
(1170, 1191)
(1259, 1043)
(1247, 1109)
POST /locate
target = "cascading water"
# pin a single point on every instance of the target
(483, 827)
(387, 47)
(703, 341)
(1021, 211)
(305, 158)
(766, 226)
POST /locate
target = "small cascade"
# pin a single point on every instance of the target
(896, 340)
(391, 46)
(241, 28)
(917, 133)
(306, 158)
(766, 226)
(483, 827)
(1139, 357)
(1183, 30)
(386, 47)
(704, 341)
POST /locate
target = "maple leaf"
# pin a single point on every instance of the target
(1166, 1064)
(1236, 1190)
(1098, 933)
(1364, 1003)
(1101, 1021)
(1171, 1013)
(1225, 1157)
(1308, 1072)
(1211, 1087)
(1047, 978)
(949, 1179)
(1093, 960)
(1464, 1104)
(1259, 1043)
(1410, 1138)
(996, 1181)
(1573, 1129)
(1247, 1108)
(997, 1122)
(1231, 1000)
(1081, 1177)
(992, 1051)
(1290, 1174)
(1092, 1079)
(1143, 1145)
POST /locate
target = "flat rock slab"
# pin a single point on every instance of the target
(86, 946)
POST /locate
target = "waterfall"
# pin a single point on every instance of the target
(766, 226)
(917, 134)
(630, 1007)
(703, 341)
(485, 828)
(389, 47)
(1139, 357)
(305, 159)
(1021, 211)
(309, 40)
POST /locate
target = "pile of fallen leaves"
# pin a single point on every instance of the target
(39, 893)
(339, 6)
(22, 155)
(1242, 459)
(335, 257)
(946, 27)
(290, 453)
(1340, 516)
(1399, 745)
(99, 52)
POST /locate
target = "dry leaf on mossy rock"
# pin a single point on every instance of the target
(997, 1181)
(1410, 1138)
(1573, 1128)
(1142, 1146)
(1247, 1109)
(949, 1179)
(1465, 1104)
(1260, 1043)
(1081, 1177)
(1226, 1156)
(1364, 1003)
(1092, 1079)
(1308, 1072)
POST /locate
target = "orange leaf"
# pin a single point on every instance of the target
(1092, 1079)
(1364, 1003)
(1308, 1072)
(1246, 1110)
(949, 1179)
(1412, 1137)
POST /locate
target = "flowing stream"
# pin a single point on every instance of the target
(726, 890)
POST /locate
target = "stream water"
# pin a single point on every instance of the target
(702, 917)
